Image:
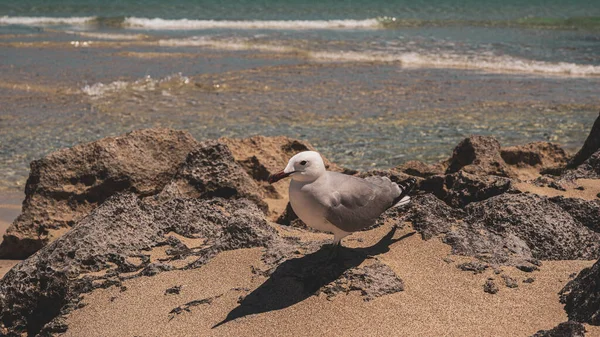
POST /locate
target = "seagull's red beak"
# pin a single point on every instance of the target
(278, 176)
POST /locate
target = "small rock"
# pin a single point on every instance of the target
(174, 290)
(476, 267)
(529, 280)
(490, 287)
(509, 281)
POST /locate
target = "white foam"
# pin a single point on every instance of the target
(186, 24)
(147, 83)
(33, 21)
(109, 36)
(484, 60)
(229, 44)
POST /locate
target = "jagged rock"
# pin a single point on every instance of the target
(430, 216)
(589, 169)
(419, 169)
(211, 171)
(490, 287)
(476, 267)
(374, 280)
(530, 226)
(66, 185)
(510, 282)
(540, 155)
(479, 155)
(586, 212)
(511, 229)
(117, 237)
(590, 147)
(581, 296)
(565, 329)
(464, 188)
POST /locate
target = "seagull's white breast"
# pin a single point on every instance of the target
(308, 208)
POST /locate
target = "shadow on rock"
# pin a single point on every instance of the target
(297, 279)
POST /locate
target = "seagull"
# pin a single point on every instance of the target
(335, 202)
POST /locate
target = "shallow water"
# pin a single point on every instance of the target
(367, 90)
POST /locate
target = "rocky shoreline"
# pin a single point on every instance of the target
(95, 215)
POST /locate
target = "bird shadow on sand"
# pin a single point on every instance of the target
(297, 279)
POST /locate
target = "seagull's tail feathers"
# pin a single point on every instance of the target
(405, 187)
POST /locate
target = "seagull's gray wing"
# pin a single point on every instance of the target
(356, 203)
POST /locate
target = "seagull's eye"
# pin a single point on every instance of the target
(303, 162)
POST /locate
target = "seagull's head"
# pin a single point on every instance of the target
(305, 166)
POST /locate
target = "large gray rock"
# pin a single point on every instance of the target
(581, 296)
(548, 232)
(66, 185)
(118, 238)
(510, 229)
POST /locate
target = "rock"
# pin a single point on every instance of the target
(589, 169)
(566, 329)
(479, 155)
(476, 267)
(374, 280)
(174, 290)
(507, 229)
(509, 281)
(529, 280)
(490, 287)
(419, 169)
(463, 188)
(581, 296)
(430, 216)
(117, 238)
(211, 171)
(538, 155)
(586, 212)
(590, 147)
(66, 185)
(529, 226)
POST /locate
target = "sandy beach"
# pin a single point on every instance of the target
(439, 300)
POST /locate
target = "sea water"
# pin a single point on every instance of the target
(370, 83)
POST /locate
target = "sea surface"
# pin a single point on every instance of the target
(369, 83)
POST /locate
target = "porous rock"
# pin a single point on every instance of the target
(478, 155)
(565, 329)
(116, 238)
(586, 212)
(66, 185)
(374, 280)
(211, 171)
(581, 296)
(463, 188)
(535, 225)
(509, 229)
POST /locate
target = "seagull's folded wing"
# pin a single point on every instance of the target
(356, 203)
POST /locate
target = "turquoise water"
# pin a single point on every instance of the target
(470, 10)
(370, 83)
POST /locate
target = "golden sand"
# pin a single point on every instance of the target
(439, 300)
